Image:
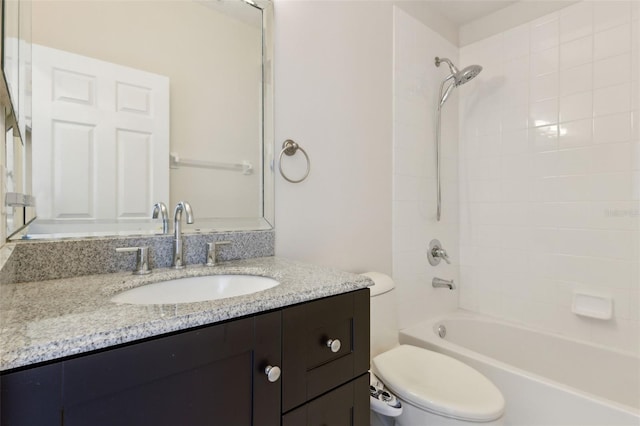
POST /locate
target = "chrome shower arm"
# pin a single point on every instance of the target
(447, 92)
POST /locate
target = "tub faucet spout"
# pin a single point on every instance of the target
(440, 283)
(178, 261)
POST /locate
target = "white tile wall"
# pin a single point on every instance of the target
(550, 194)
(415, 88)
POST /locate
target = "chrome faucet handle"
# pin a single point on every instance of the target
(212, 252)
(160, 209)
(437, 253)
(442, 253)
(142, 259)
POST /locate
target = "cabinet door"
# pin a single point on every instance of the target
(32, 397)
(347, 405)
(200, 377)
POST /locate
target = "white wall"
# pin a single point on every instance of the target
(416, 83)
(356, 87)
(333, 96)
(550, 159)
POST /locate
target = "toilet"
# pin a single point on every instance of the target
(433, 389)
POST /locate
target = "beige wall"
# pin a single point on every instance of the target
(213, 63)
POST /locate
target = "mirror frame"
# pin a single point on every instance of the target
(267, 195)
(16, 104)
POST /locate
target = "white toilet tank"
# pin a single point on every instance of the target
(384, 322)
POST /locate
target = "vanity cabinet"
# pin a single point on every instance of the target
(208, 376)
(313, 364)
(214, 375)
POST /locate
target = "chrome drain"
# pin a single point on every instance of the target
(442, 331)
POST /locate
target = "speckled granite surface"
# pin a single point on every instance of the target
(42, 321)
(47, 260)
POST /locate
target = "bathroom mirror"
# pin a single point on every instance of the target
(140, 102)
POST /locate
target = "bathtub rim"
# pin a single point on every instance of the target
(448, 347)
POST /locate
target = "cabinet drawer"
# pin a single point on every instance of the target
(310, 367)
(347, 405)
(316, 342)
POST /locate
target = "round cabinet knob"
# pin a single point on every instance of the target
(272, 372)
(334, 345)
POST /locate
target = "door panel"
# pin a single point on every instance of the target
(72, 184)
(135, 181)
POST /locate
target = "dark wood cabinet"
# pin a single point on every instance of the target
(213, 375)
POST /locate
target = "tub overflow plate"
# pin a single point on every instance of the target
(442, 331)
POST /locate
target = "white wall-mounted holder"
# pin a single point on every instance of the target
(175, 162)
(592, 305)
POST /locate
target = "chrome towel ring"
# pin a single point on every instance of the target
(290, 147)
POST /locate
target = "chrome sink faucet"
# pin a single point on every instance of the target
(160, 209)
(178, 261)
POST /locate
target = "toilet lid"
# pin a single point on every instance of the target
(439, 384)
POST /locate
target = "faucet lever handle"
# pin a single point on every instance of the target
(442, 253)
(212, 252)
(142, 259)
(435, 253)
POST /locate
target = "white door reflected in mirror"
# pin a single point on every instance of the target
(102, 145)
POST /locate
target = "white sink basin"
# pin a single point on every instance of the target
(195, 289)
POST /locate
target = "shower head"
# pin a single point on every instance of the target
(467, 74)
(460, 77)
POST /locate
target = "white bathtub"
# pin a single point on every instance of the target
(546, 379)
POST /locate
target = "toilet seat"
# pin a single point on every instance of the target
(439, 384)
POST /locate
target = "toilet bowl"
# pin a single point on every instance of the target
(434, 389)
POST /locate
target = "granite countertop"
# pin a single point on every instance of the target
(46, 320)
